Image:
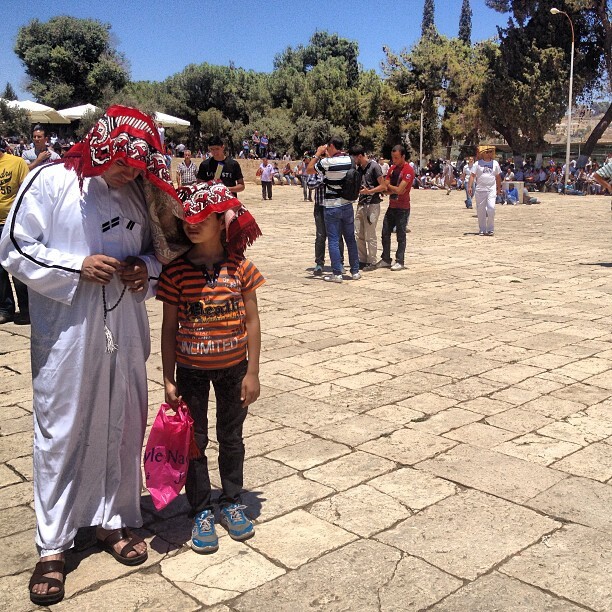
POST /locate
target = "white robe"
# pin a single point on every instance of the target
(90, 407)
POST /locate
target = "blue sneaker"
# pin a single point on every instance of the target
(203, 536)
(237, 524)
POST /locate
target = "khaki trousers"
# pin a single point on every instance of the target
(366, 219)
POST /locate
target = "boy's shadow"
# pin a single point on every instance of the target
(170, 527)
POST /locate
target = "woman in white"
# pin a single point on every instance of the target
(486, 173)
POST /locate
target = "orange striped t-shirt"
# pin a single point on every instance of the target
(211, 320)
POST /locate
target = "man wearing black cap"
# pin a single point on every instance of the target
(13, 171)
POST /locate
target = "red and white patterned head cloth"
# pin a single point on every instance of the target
(122, 133)
(202, 199)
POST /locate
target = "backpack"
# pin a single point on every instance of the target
(351, 184)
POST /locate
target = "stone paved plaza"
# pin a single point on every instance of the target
(433, 439)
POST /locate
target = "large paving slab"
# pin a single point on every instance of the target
(386, 578)
(438, 438)
(575, 563)
(499, 592)
(467, 534)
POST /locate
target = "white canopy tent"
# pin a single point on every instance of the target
(170, 121)
(77, 112)
(39, 113)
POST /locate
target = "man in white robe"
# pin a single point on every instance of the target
(81, 238)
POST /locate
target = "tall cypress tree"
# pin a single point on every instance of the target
(465, 23)
(428, 25)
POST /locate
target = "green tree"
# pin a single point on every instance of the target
(532, 23)
(13, 121)
(8, 93)
(465, 23)
(322, 46)
(70, 61)
(310, 132)
(428, 25)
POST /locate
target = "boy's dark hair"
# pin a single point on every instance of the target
(401, 149)
(337, 142)
(357, 150)
(39, 128)
(216, 141)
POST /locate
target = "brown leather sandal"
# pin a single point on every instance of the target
(38, 577)
(123, 534)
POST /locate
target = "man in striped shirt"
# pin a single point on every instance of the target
(333, 164)
(186, 171)
(604, 177)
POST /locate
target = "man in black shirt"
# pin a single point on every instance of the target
(222, 167)
(368, 207)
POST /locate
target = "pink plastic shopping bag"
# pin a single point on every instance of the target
(166, 457)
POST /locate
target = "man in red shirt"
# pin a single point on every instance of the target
(398, 181)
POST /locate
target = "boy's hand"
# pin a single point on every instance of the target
(172, 397)
(250, 389)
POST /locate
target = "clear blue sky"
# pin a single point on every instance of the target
(161, 37)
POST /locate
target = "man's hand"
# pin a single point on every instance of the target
(250, 389)
(43, 156)
(321, 151)
(134, 274)
(99, 269)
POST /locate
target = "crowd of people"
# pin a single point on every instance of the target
(547, 176)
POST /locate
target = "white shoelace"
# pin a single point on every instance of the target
(235, 512)
(204, 524)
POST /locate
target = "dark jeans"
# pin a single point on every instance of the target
(398, 218)
(194, 386)
(307, 192)
(7, 302)
(266, 187)
(340, 221)
(321, 237)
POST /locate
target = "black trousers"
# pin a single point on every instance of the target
(266, 188)
(398, 218)
(194, 386)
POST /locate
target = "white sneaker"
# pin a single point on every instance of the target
(356, 276)
(397, 266)
(334, 278)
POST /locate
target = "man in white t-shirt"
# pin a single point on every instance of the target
(486, 173)
(266, 172)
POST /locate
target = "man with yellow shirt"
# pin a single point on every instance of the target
(13, 171)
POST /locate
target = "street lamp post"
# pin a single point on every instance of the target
(556, 11)
(421, 139)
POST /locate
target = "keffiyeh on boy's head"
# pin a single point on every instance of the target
(202, 199)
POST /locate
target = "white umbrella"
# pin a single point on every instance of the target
(39, 113)
(77, 112)
(170, 121)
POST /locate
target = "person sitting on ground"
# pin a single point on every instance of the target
(527, 199)
(288, 174)
(511, 195)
